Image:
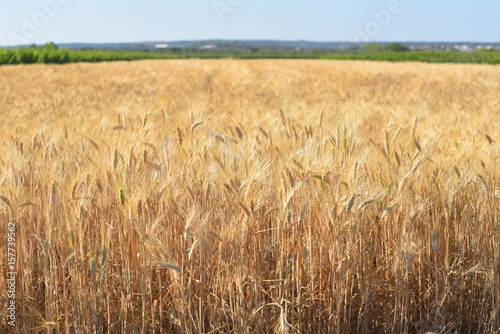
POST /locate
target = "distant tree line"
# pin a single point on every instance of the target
(51, 54)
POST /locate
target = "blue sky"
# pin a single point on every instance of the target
(64, 21)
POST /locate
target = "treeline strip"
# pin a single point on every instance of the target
(63, 56)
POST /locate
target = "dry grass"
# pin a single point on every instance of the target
(230, 196)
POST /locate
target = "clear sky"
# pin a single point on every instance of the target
(66, 21)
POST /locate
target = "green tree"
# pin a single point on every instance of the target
(372, 48)
(396, 47)
(50, 46)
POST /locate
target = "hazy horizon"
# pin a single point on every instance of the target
(266, 40)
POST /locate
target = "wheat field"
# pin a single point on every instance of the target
(251, 196)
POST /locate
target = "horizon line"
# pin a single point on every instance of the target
(259, 40)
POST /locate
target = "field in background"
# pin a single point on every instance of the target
(252, 196)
